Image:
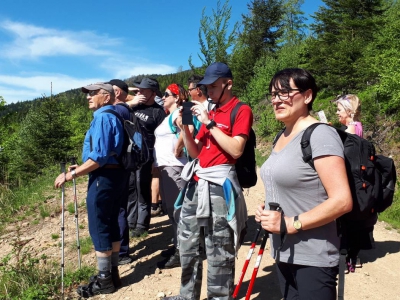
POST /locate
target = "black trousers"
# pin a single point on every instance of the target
(307, 283)
(139, 199)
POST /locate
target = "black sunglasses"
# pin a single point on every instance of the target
(166, 95)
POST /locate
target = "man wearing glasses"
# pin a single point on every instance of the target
(107, 182)
(150, 115)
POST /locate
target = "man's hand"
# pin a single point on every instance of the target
(137, 100)
(200, 112)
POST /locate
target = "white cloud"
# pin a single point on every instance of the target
(125, 68)
(18, 88)
(33, 42)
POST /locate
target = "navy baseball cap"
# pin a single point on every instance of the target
(119, 83)
(215, 71)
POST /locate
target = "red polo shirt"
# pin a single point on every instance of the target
(211, 153)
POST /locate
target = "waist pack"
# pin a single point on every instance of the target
(246, 168)
(135, 151)
(372, 177)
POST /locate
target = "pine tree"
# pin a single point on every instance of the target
(342, 30)
(214, 38)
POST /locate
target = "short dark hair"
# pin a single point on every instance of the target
(195, 79)
(301, 78)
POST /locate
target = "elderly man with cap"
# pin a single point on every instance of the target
(107, 182)
(213, 210)
(150, 115)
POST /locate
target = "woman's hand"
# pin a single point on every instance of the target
(258, 213)
(270, 219)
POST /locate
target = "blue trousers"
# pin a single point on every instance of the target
(105, 191)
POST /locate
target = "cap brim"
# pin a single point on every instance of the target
(208, 80)
(92, 87)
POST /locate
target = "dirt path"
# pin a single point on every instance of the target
(377, 279)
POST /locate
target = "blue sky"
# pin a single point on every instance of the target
(73, 43)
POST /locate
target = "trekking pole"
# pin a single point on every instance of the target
(62, 230)
(78, 244)
(246, 263)
(272, 206)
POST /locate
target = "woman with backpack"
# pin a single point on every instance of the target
(304, 238)
(359, 233)
(169, 159)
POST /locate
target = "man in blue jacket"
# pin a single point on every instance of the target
(107, 182)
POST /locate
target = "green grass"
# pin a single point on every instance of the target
(86, 245)
(71, 208)
(44, 211)
(392, 214)
(55, 236)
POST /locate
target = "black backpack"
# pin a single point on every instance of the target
(135, 152)
(372, 177)
(246, 168)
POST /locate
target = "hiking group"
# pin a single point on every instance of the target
(195, 154)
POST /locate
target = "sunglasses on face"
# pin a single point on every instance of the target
(166, 95)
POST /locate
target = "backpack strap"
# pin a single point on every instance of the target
(306, 145)
(172, 126)
(234, 112)
(278, 136)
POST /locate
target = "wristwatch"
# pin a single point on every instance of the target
(73, 174)
(211, 124)
(296, 223)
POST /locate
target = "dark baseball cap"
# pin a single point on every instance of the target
(215, 71)
(121, 84)
(149, 83)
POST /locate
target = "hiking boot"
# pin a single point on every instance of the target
(167, 253)
(138, 232)
(156, 212)
(175, 298)
(123, 260)
(173, 262)
(358, 263)
(114, 275)
(99, 286)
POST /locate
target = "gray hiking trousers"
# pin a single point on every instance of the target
(219, 247)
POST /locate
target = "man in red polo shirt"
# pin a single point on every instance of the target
(213, 211)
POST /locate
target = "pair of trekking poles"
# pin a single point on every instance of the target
(62, 164)
(272, 206)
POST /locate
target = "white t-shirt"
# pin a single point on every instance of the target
(165, 144)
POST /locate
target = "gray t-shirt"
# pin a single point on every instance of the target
(292, 183)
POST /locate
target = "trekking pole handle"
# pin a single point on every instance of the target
(274, 206)
(62, 165)
(73, 160)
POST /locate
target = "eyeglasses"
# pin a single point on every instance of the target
(191, 89)
(282, 95)
(94, 93)
(166, 95)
